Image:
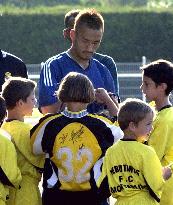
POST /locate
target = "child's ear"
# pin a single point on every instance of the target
(132, 126)
(72, 34)
(19, 103)
(163, 86)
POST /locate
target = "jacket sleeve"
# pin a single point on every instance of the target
(48, 84)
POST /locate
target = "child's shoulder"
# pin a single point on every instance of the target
(146, 149)
(21, 125)
(143, 148)
(101, 118)
(164, 117)
(4, 136)
(165, 113)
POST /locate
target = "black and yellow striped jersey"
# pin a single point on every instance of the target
(73, 145)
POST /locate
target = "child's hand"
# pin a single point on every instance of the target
(107, 99)
(101, 95)
(166, 172)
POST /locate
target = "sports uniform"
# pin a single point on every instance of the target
(73, 143)
(161, 139)
(11, 65)
(131, 173)
(28, 164)
(111, 65)
(58, 66)
(10, 175)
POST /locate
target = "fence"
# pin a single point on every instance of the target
(129, 77)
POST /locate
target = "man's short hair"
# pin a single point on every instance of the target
(89, 18)
(76, 87)
(132, 110)
(15, 89)
(160, 71)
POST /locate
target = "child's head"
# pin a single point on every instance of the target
(2, 109)
(76, 87)
(157, 77)
(69, 20)
(136, 117)
(19, 91)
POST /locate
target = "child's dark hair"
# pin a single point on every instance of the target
(76, 87)
(2, 109)
(69, 18)
(15, 89)
(132, 110)
(160, 71)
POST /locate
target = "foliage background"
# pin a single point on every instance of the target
(32, 29)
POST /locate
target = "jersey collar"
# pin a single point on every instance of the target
(70, 114)
(167, 106)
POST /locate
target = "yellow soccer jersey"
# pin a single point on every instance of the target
(132, 170)
(9, 172)
(27, 162)
(161, 138)
(73, 145)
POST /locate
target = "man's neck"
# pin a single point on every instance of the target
(82, 62)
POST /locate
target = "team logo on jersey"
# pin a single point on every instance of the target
(7, 75)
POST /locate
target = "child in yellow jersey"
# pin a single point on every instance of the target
(74, 142)
(19, 95)
(132, 172)
(157, 83)
(10, 175)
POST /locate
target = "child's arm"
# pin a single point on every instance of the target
(36, 134)
(21, 140)
(159, 137)
(152, 172)
(9, 172)
(102, 181)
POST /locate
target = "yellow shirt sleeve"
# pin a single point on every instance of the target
(161, 137)
(8, 161)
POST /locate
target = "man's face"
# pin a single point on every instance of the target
(86, 41)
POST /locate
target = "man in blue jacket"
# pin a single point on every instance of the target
(85, 39)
